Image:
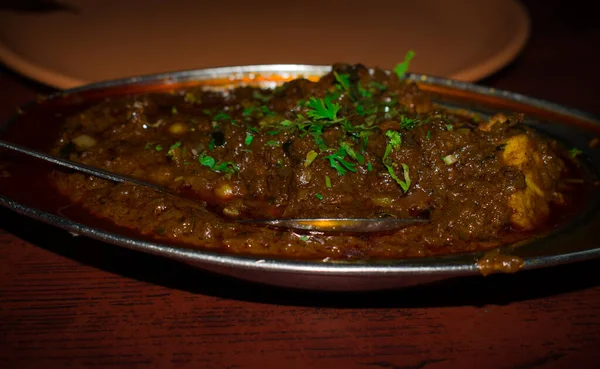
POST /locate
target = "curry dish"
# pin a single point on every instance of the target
(356, 143)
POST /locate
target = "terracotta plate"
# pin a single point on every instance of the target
(75, 42)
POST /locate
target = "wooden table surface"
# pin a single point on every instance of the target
(72, 302)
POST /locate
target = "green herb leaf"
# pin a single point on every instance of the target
(272, 143)
(449, 127)
(158, 148)
(408, 123)
(363, 91)
(337, 162)
(344, 81)
(319, 196)
(211, 144)
(574, 152)
(327, 181)
(394, 143)
(225, 167)
(381, 87)
(353, 154)
(323, 109)
(428, 135)
(369, 167)
(221, 116)
(207, 161)
(402, 68)
(248, 139)
(172, 147)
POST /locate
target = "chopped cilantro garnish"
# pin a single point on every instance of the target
(310, 157)
(172, 147)
(319, 196)
(336, 161)
(428, 135)
(304, 238)
(574, 152)
(272, 143)
(449, 127)
(394, 143)
(207, 161)
(225, 167)
(248, 139)
(327, 182)
(363, 91)
(148, 145)
(211, 144)
(323, 109)
(408, 123)
(395, 140)
(253, 129)
(353, 154)
(221, 116)
(158, 148)
(286, 123)
(344, 81)
(273, 132)
(369, 166)
(377, 85)
(402, 68)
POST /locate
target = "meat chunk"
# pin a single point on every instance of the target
(530, 205)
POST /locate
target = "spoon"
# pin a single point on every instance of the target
(360, 225)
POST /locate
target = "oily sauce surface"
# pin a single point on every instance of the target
(353, 144)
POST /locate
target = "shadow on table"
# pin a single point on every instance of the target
(475, 291)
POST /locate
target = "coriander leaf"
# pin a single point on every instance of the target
(319, 196)
(377, 85)
(363, 91)
(344, 80)
(353, 154)
(272, 143)
(428, 135)
(211, 144)
(206, 160)
(327, 181)
(225, 167)
(408, 123)
(574, 152)
(449, 127)
(221, 116)
(248, 139)
(369, 166)
(402, 68)
(172, 148)
(395, 139)
(158, 148)
(336, 161)
(323, 109)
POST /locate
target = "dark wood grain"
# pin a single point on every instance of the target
(71, 302)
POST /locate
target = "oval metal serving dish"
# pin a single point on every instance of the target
(27, 190)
